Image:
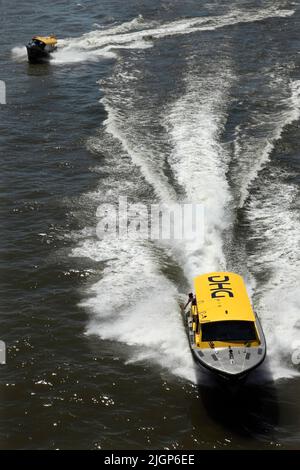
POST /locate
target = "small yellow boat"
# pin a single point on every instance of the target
(224, 332)
(40, 48)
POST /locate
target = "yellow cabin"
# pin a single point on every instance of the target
(222, 313)
(48, 40)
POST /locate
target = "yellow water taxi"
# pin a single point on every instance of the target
(224, 332)
(39, 49)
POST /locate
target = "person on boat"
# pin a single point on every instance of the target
(191, 299)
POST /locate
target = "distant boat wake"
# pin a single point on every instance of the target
(137, 34)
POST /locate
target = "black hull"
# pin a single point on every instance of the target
(37, 56)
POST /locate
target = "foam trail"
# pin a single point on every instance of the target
(253, 152)
(133, 302)
(142, 308)
(198, 160)
(275, 232)
(104, 42)
(19, 54)
(140, 154)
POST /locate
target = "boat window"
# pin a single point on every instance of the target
(38, 43)
(229, 330)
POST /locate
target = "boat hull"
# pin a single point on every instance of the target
(37, 55)
(231, 364)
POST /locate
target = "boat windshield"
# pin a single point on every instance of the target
(229, 330)
(36, 42)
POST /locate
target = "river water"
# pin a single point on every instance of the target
(156, 101)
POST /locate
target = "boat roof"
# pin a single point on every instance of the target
(51, 40)
(222, 296)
